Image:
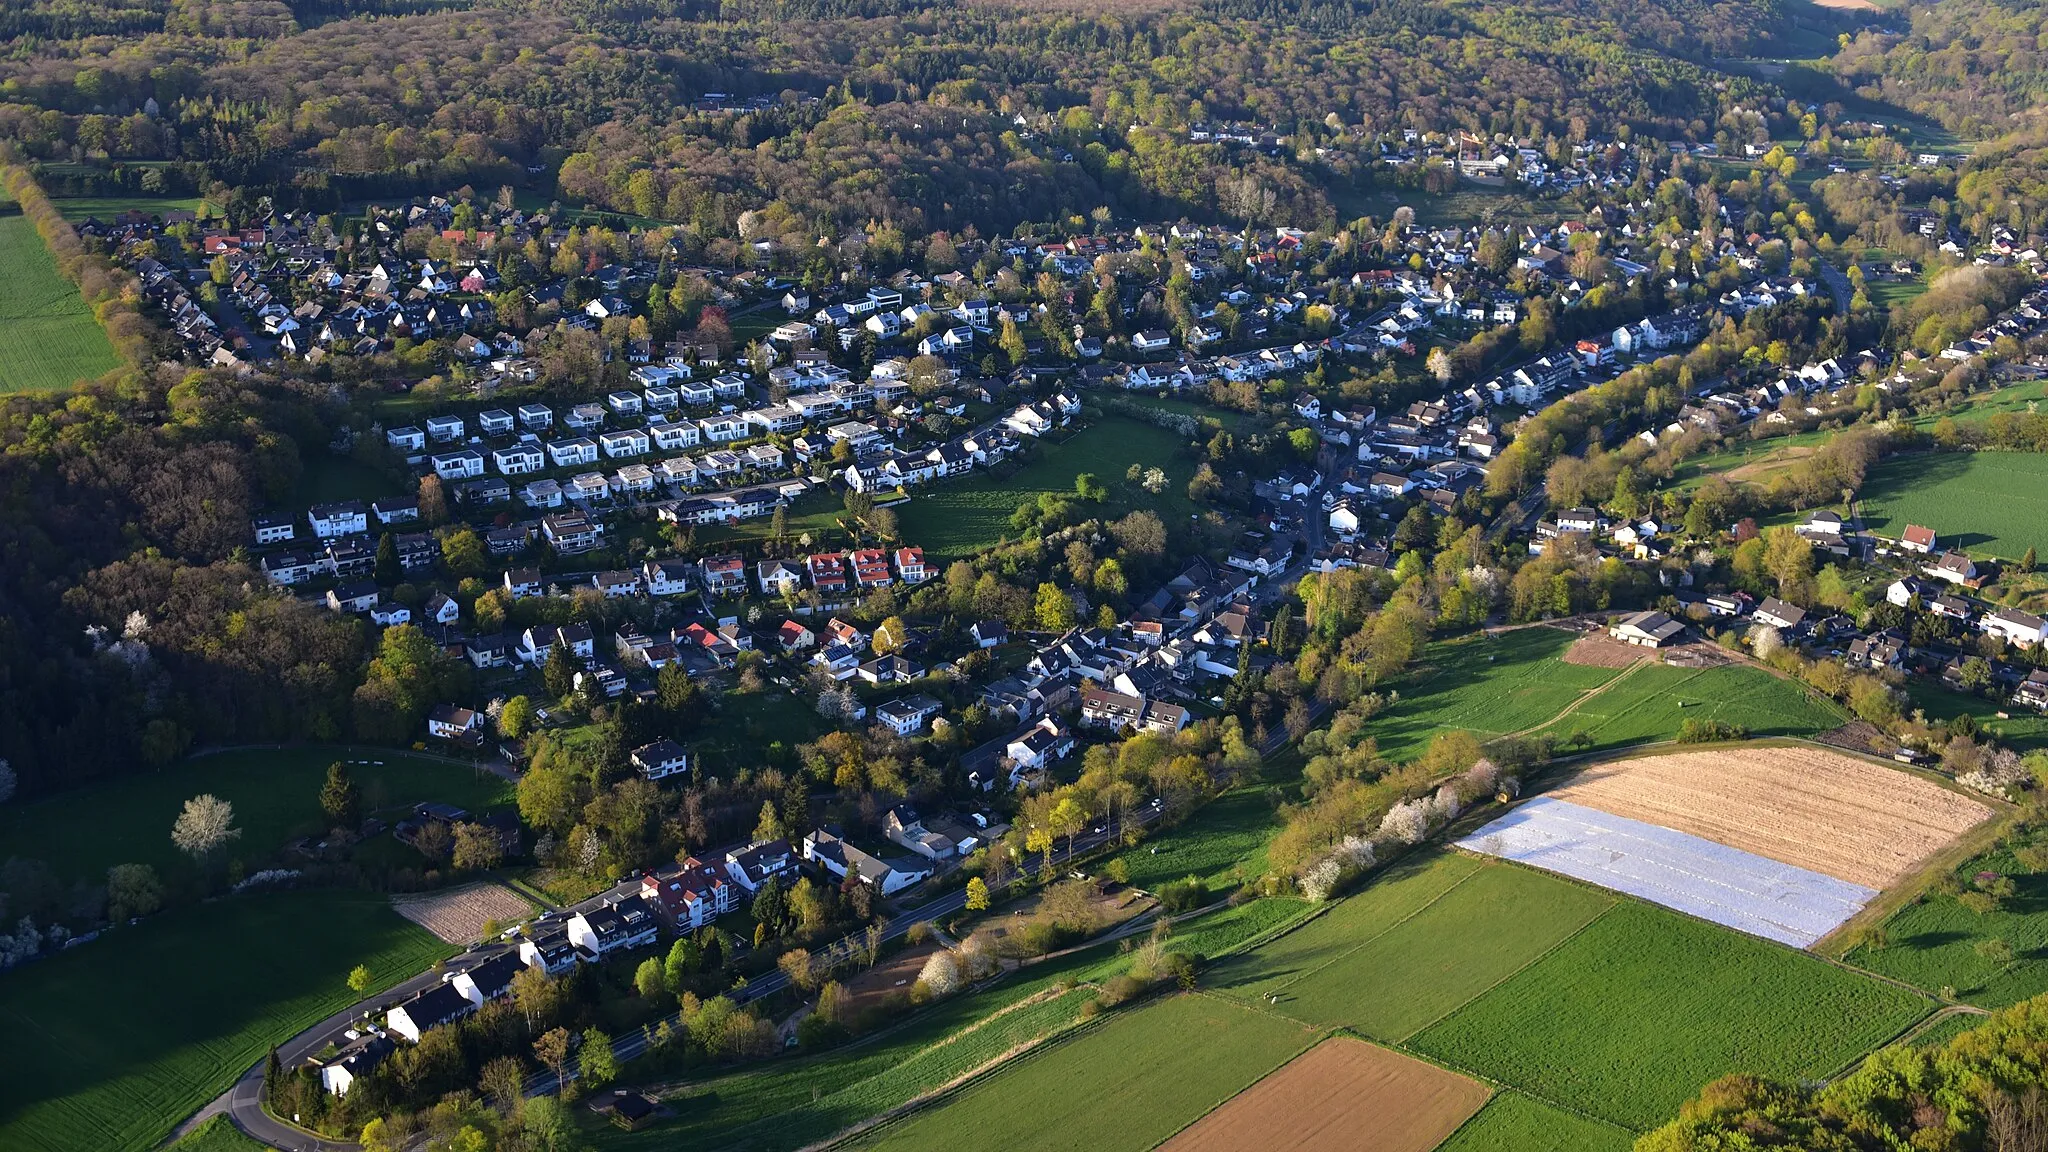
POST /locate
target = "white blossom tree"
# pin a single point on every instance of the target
(205, 826)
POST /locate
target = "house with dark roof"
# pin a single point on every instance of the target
(441, 1004)
(623, 924)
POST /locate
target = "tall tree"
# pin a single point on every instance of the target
(341, 800)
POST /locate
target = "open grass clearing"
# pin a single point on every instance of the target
(2018, 397)
(1221, 844)
(218, 1134)
(1628, 1018)
(49, 338)
(1489, 685)
(107, 208)
(276, 794)
(2020, 730)
(1985, 503)
(1512, 1122)
(1477, 934)
(957, 518)
(328, 478)
(1836, 814)
(1343, 1093)
(1650, 702)
(1127, 1084)
(110, 1045)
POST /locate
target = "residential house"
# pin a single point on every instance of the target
(623, 924)
(448, 722)
(661, 759)
(724, 575)
(906, 716)
(431, 1008)
(757, 863)
(839, 859)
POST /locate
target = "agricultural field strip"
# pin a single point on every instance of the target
(1727, 886)
(1647, 699)
(1538, 958)
(1340, 956)
(1585, 698)
(1822, 810)
(1341, 1085)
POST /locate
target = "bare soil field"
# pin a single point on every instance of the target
(457, 915)
(1599, 650)
(1820, 810)
(891, 978)
(1343, 1093)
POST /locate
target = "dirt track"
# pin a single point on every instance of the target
(1815, 809)
(1343, 1093)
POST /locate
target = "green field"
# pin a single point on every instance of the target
(111, 1045)
(2022, 396)
(2022, 730)
(1512, 1122)
(1487, 685)
(952, 519)
(108, 207)
(1992, 503)
(1127, 1084)
(1515, 682)
(1222, 843)
(1630, 1017)
(48, 336)
(1932, 942)
(276, 794)
(1894, 293)
(1650, 702)
(1486, 928)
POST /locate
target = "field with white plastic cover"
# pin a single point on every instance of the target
(1742, 890)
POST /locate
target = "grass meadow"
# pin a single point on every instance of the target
(112, 1044)
(276, 794)
(1627, 1019)
(1512, 1122)
(1992, 503)
(48, 336)
(108, 207)
(1516, 682)
(1126, 1084)
(957, 518)
(218, 1134)
(1932, 942)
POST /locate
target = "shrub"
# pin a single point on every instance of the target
(1184, 895)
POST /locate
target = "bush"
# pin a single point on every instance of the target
(1184, 895)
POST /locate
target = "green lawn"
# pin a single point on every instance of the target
(1127, 1084)
(1223, 843)
(1475, 935)
(1993, 503)
(2021, 730)
(111, 1045)
(276, 794)
(1894, 293)
(1651, 702)
(48, 336)
(108, 207)
(1932, 942)
(2021, 396)
(1512, 1122)
(1629, 1018)
(327, 478)
(1487, 685)
(953, 519)
(218, 1134)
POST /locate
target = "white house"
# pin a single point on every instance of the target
(661, 759)
(345, 518)
(624, 442)
(906, 716)
(438, 1005)
(2015, 626)
(467, 464)
(575, 453)
(624, 924)
(519, 459)
(839, 859)
(667, 577)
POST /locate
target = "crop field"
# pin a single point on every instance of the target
(1512, 1122)
(1835, 814)
(1487, 685)
(1343, 1093)
(1488, 927)
(276, 794)
(458, 915)
(48, 336)
(1628, 1018)
(1933, 943)
(1400, 891)
(952, 519)
(1992, 503)
(111, 1045)
(1741, 890)
(1650, 702)
(1127, 1084)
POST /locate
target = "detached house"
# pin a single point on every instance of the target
(622, 925)
(661, 759)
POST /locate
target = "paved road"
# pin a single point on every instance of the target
(243, 1103)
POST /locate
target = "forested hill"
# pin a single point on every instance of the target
(305, 100)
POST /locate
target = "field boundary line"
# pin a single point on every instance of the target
(1316, 1037)
(1501, 1087)
(1530, 963)
(1382, 932)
